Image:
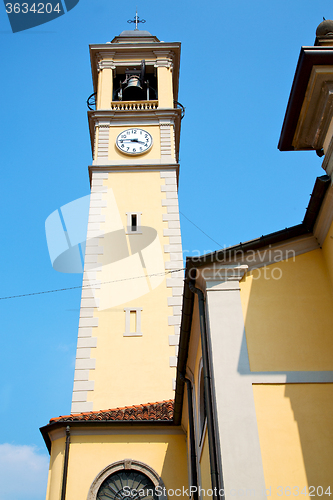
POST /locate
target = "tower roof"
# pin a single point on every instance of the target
(325, 28)
(135, 36)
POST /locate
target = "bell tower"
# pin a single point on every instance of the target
(132, 284)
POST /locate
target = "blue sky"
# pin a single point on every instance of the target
(237, 65)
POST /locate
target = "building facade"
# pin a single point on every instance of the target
(257, 329)
(223, 388)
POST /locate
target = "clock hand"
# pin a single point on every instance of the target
(132, 140)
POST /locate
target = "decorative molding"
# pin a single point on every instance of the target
(316, 113)
(133, 106)
(104, 60)
(104, 64)
(224, 277)
(167, 148)
(127, 464)
(327, 164)
(136, 162)
(164, 59)
(325, 217)
(169, 186)
(103, 141)
(170, 114)
(86, 341)
(291, 377)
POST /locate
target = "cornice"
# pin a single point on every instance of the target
(134, 46)
(316, 112)
(226, 277)
(134, 168)
(309, 58)
(103, 64)
(164, 59)
(103, 425)
(327, 164)
(160, 113)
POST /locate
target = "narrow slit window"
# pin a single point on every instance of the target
(133, 322)
(134, 226)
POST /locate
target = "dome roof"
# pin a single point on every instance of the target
(325, 28)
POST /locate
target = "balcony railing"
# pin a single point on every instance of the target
(134, 105)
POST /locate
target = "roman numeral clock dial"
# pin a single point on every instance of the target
(134, 141)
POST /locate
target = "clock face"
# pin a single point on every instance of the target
(134, 141)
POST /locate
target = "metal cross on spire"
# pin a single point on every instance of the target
(136, 20)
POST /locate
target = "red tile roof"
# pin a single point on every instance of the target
(161, 411)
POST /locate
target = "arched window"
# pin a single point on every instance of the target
(127, 480)
(127, 485)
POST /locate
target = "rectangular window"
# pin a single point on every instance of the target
(133, 322)
(133, 225)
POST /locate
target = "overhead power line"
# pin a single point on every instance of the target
(89, 286)
(203, 232)
(107, 282)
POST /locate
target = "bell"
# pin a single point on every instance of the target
(133, 91)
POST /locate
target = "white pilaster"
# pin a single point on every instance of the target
(236, 416)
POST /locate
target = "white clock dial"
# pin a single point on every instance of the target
(134, 141)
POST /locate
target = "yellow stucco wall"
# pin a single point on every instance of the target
(134, 370)
(165, 93)
(89, 455)
(105, 88)
(56, 469)
(288, 321)
(201, 434)
(197, 387)
(296, 437)
(328, 253)
(206, 483)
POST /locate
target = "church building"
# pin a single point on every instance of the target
(219, 385)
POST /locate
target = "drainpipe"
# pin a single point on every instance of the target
(208, 396)
(194, 472)
(64, 475)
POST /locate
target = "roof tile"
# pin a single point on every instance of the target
(160, 411)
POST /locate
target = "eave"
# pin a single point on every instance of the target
(310, 57)
(46, 429)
